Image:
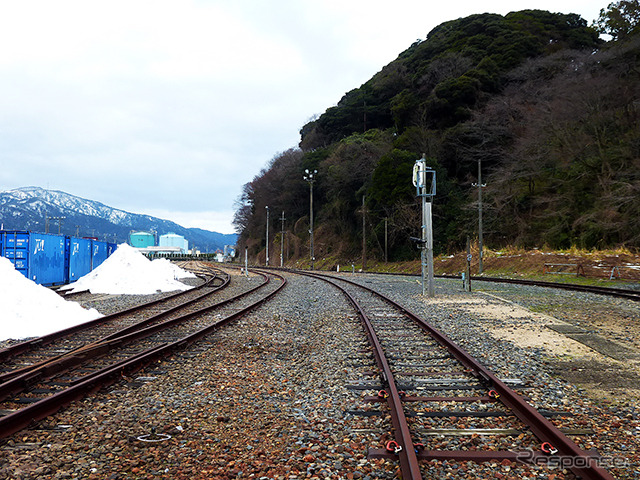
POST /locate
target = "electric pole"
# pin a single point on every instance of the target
(60, 221)
(364, 238)
(386, 238)
(310, 178)
(282, 241)
(267, 253)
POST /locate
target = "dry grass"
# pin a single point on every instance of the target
(510, 261)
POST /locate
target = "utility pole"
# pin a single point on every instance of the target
(282, 241)
(480, 186)
(467, 279)
(386, 238)
(60, 221)
(364, 238)
(310, 178)
(267, 254)
(364, 116)
(420, 181)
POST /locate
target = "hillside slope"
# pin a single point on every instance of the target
(547, 112)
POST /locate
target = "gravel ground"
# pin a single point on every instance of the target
(545, 359)
(608, 367)
(266, 398)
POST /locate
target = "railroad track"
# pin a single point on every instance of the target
(26, 353)
(424, 377)
(33, 392)
(626, 293)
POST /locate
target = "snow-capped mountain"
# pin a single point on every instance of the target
(38, 210)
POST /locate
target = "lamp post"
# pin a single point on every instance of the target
(480, 186)
(310, 178)
(424, 179)
(267, 255)
(60, 220)
(282, 219)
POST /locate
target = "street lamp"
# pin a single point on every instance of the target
(480, 186)
(310, 178)
(60, 220)
(267, 207)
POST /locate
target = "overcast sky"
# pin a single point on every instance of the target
(168, 107)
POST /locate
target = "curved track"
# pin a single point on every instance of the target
(53, 349)
(213, 280)
(401, 340)
(39, 390)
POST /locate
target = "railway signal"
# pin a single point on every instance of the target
(424, 179)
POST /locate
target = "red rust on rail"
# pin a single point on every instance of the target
(560, 445)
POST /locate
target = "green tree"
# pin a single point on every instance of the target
(620, 19)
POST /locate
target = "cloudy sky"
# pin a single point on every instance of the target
(168, 107)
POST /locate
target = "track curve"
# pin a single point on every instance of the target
(51, 384)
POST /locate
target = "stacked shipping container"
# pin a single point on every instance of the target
(52, 259)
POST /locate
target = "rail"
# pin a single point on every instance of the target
(552, 440)
(20, 419)
(22, 347)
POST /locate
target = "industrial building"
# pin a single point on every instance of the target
(142, 239)
(174, 240)
(169, 243)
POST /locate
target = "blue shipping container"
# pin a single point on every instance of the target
(52, 259)
(99, 253)
(38, 256)
(79, 255)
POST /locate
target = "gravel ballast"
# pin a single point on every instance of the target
(266, 397)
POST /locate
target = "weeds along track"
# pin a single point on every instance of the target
(430, 388)
(91, 357)
(626, 293)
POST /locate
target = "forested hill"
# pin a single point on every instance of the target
(437, 83)
(549, 111)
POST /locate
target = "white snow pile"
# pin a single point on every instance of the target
(128, 272)
(31, 310)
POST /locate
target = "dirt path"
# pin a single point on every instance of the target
(599, 356)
